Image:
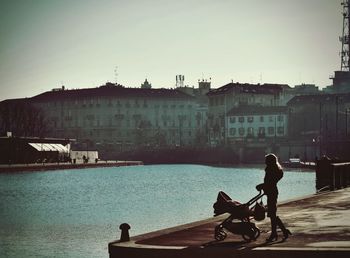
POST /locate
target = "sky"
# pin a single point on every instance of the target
(45, 44)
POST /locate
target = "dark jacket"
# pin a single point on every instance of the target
(272, 176)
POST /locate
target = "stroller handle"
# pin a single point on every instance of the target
(256, 197)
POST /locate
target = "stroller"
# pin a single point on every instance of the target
(242, 212)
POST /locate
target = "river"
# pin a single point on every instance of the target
(75, 213)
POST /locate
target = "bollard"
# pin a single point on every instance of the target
(124, 237)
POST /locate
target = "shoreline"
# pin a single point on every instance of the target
(38, 167)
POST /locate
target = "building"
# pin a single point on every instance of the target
(306, 89)
(254, 131)
(113, 118)
(25, 150)
(234, 95)
(252, 123)
(201, 99)
(319, 125)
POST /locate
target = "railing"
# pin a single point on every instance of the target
(332, 175)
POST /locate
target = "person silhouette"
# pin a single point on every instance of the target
(273, 173)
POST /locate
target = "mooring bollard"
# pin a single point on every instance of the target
(124, 237)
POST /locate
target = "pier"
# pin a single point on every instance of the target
(319, 223)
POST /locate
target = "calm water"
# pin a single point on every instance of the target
(75, 213)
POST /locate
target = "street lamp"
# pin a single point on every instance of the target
(346, 121)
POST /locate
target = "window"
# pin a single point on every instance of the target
(232, 131)
(232, 119)
(280, 118)
(241, 119)
(271, 130)
(261, 118)
(280, 130)
(241, 131)
(261, 131)
(271, 118)
(250, 119)
(250, 131)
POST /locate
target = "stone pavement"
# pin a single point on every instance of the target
(320, 225)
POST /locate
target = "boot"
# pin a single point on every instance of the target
(273, 236)
(286, 232)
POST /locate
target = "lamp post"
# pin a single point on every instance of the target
(346, 122)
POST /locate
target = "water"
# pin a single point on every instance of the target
(75, 213)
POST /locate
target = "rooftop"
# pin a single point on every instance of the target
(318, 98)
(110, 90)
(266, 88)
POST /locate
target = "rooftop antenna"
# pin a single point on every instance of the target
(344, 39)
(180, 80)
(116, 75)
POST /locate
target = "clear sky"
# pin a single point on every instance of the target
(78, 43)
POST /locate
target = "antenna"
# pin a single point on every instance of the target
(344, 39)
(180, 80)
(116, 75)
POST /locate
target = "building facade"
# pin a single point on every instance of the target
(119, 118)
(235, 95)
(319, 124)
(257, 123)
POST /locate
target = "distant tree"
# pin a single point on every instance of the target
(22, 119)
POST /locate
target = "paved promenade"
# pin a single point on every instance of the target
(320, 225)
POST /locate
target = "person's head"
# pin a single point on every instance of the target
(271, 160)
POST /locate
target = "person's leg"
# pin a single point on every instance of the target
(286, 232)
(271, 212)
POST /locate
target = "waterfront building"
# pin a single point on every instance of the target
(252, 123)
(254, 131)
(25, 150)
(115, 118)
(202, 103)
(319, 125)
(234, 95)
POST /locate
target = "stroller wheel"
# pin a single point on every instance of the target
(253, 234)
(220, 234)
(257, 232)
